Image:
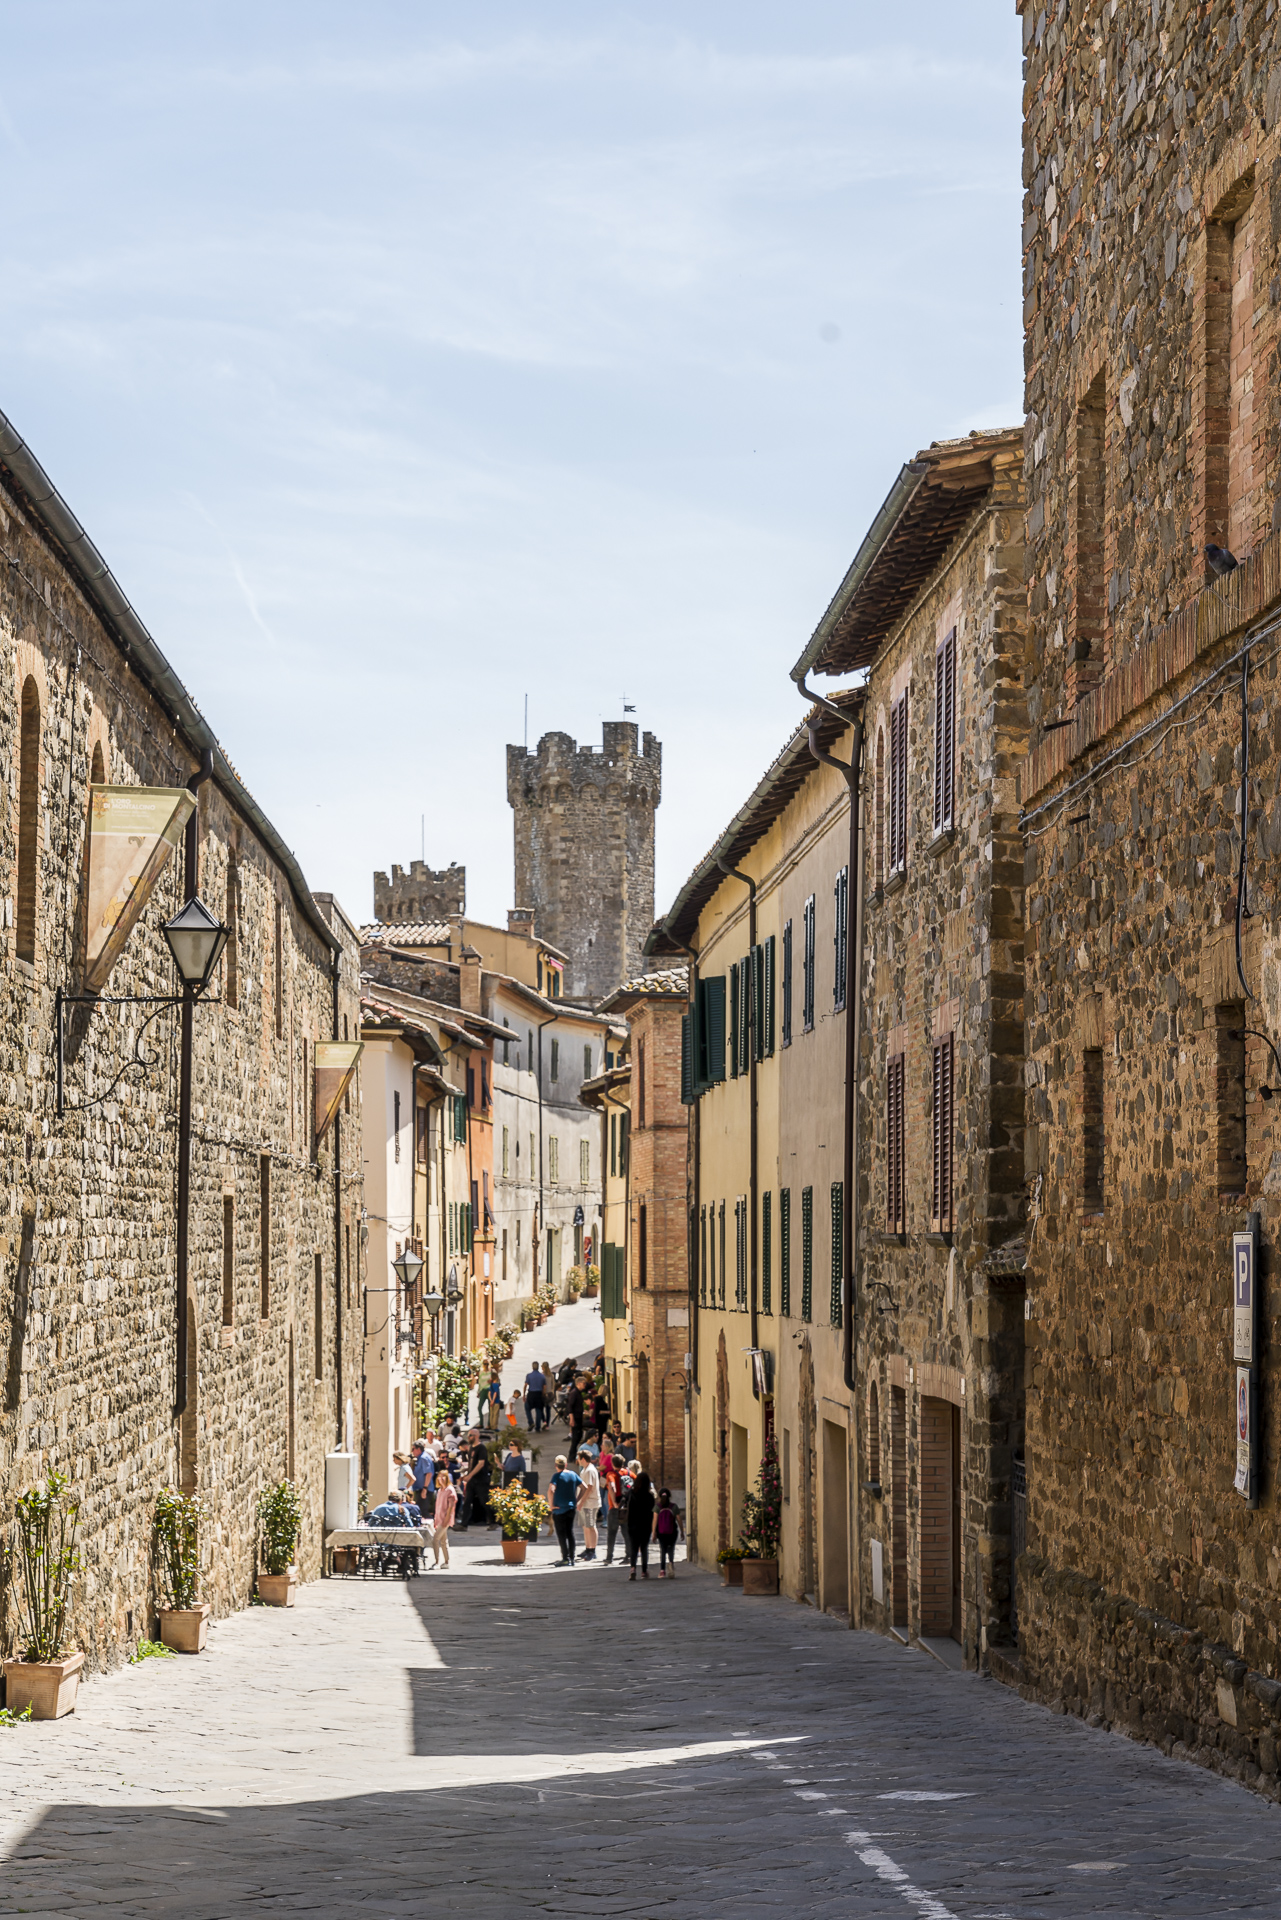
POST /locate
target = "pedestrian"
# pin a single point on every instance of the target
(388, 1513)
(446, 1506)
(598, 1411)
(450, 1441)
(549, 1393)
(495, 1399)
(513, 1462)
(588, 1503)
(668, 1528)
(403, 1474)
(535, 1402)
(563, 1499)
(627, 1447)
(616, 1489)
(640, 1521)
(475, 1489)
(424, 1472)
(574, 1414)
(515, 1407)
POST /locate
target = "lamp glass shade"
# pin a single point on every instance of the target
(196, 940)
(433, 1301)
(407, 1266)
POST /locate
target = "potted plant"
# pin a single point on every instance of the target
(184, 1620)
(280, 1523)
(730, 1561)
(520, 1514)
(591, 1282)
(763, 1525)
(43, 1564)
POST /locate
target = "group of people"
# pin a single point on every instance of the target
(611, 1479)
(443, 1486)
(580, 1396)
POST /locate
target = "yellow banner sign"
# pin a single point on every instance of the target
(335, 1064)
(132, 832)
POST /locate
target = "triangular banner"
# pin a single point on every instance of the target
(335, 1064)
(132, 832)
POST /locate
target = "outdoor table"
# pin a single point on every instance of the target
(406, 1540)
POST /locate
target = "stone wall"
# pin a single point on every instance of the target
(584, 836)
(91, 1348)
(659, 1308)
(421, 894)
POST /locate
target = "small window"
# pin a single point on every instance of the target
(264, 1234)
(584, 1162)
(320, 1323)
(28, 822)
(555, 1059)
(553, 1159)
(97, 771)
(1092, 1129)
(874, 1434)
(942, 1201)
(228, 1260)
(898, 785)
(587, 1063)
(944, 732)
(787, 985)
(840, 936)
(807, 969)
(506, 1154)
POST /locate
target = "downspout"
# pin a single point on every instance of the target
(338, 1295)
(191, 887)
(750, 884)
(851, 773)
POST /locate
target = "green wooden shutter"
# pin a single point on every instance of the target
(767, 1252)
(838, 1247)
(767, 1000)
(734, 1027)
(714, 1026)
(807, 1253)
(785, 1250)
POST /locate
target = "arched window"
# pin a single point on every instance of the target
(29, 822)
(879, 871)
(97, 772)
(873, 1433)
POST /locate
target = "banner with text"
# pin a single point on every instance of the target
(132, 832)
(335, 1064)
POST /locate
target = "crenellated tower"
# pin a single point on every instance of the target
(584, 832)
(421, 894)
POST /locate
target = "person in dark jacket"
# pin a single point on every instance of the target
(476, 1489)
(640, 1521)
(574, 1414)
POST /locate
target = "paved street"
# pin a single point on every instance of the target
(494, 1741)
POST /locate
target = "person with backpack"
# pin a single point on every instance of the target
(640, 1522)
(562, 1497)
(614, 1487)
(668, 1528)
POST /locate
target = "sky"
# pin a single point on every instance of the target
(406, 360)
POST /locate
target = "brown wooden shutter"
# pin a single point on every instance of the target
(944, 731)
(895, 1199)
(942, 1207)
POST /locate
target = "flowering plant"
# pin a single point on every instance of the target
(730, 1553)
(763, 1510)
(517, 1511)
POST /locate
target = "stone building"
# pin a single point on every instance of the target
(88, 1312)
(1152, 167)
(644, 1251)
(422, 895)
(584, 836)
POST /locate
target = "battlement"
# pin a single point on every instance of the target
(622, 760)
(422, 893)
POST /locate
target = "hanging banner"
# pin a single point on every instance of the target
(1245, 1401)
(132, 832)
(335, 1064)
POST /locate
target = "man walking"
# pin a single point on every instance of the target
(574, 1415)
(563, 1497)
(535, 1403)
(424, 1470)
(589, 1503)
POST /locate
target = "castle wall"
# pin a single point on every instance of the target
(422, 894)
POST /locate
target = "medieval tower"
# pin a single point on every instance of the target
(584, 821)
(421, 894)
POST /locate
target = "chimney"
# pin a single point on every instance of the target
(521, 920)
(469, 980)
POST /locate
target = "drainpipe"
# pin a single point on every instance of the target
(191, 887)
(750, 884)
(851, 773)
(338, 1294)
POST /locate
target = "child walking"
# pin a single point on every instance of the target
(669, 1527)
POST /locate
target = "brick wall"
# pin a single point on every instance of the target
(660, 1309)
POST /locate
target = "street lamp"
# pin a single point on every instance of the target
(196, 940)
(433, 1301)
(407, 1266)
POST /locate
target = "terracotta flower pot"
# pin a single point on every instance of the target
(49, 1689)
(759, 1576)
(184, 1628)
(514, 1552)
(278, 1589)
(731, 1573)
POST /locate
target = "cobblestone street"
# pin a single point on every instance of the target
(491, 1741)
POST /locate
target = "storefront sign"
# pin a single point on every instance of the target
(132, 832)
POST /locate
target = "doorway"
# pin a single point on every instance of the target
(737, 1478)
(835, 1592)
(940, 1519)
(898, 1506)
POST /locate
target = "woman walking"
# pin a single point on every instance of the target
(446, 1504)
(668, 1528)
(640, 1522)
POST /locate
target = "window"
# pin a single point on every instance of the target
(460, 1116)
(767, 1252)
(763, 999)
(280, 971)
(587, 1063)
(740, 1254)
(346, 1260)
(898, 785)
(264, 1234)
(624, 1135)
(231, 952)
(874, 1434)
(736, 1050)
(944, 732)
(840, 936)
(807, 970)
(1093, 1136)
(941, 1207)
(28, 822)
(555, 1059)
(787, 985)
(640, 1083)
(838, 1251)
(878, 835)
(533, 1154)
(318, 1315)
(228, 1259)
(529, 1053)
(422, 1117)
(708, 1033)
(487, 1218)
(553, 1159)
(785, 1251)
(702, 1256)
(484, 1085)
(584, 1163)
(807, 1253)
(471, 1086)
(613, 1144)
(506, 1154)
(895, 1146)
(1229, 1048)
(642, 1236)
(721, 1224)
(504, 1256)
(395, 1122)
(711, 1255)
(1089, 518)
